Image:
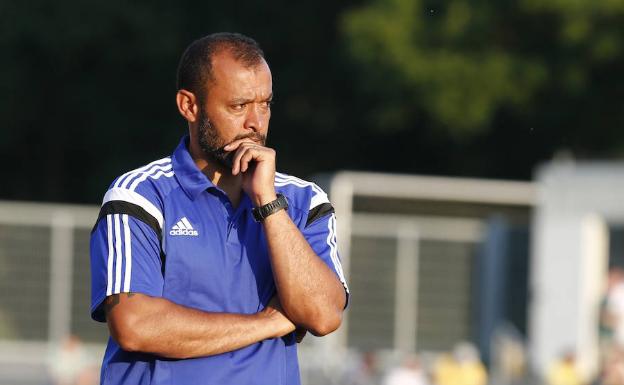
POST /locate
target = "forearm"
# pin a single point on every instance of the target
(161, 327)
(309, 291)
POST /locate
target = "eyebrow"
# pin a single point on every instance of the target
(246, 100)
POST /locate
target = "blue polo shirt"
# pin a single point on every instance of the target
(165, 230)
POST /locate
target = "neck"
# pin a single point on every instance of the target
(219, 175)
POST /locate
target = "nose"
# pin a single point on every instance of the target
(255, 119)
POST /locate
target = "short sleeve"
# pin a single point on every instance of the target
(321, 235)
(125, 257)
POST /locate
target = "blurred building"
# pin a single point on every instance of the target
(578, 233)
(431, 261)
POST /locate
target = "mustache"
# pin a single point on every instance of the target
(228, 156)
(255, 136)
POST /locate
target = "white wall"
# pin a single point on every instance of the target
(575, 204)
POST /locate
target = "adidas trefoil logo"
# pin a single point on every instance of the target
(183, 227)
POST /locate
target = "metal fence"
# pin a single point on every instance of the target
(44, 286)
(410, 247)
(409, 257)
(411, 279)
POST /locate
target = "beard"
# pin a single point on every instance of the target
(212, 144)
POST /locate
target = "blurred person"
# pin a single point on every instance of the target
(463, 367)
(471, 370)
(364, 372)
(612, 371)
(508, 364)
(208, 266)
(564, 371)
(612, 312)
(71, 364)
(445, 370)
(409, 373)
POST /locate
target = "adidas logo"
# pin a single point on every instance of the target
(183, 227)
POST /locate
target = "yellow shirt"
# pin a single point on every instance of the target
(563, 373)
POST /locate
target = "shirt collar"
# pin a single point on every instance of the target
(192, 180)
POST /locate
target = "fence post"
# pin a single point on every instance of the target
(406, 290)
(60, 294)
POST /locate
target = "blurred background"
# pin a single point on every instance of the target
(481, 223)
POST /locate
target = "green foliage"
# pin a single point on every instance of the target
(463, 87)
(461, 62)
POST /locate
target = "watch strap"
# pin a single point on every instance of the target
(260, 213)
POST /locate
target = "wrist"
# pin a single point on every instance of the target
(277, 325)
(263, 199)
(260, 213)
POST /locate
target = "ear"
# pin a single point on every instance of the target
(187, 105)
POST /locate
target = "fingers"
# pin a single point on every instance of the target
(236, 143)
(235, 147)
(244, 160)
(282, 325)
(275, 307)
(256, 164)
(246, 152)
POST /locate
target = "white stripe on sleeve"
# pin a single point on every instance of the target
(128, 255)
(119, 255)
(318, 199)
(127, 176)
(109, 232)
(331, 241)
(289, 179)
(156, 172)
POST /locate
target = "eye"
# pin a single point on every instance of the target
(239, 107)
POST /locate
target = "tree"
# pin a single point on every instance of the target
(470, 67)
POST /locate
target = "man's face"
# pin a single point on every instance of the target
(212, 144)
(236, 106)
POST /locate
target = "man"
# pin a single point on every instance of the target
(206, 262)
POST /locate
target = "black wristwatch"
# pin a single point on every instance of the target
(260, 213)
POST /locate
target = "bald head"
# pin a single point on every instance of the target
(195, 71)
